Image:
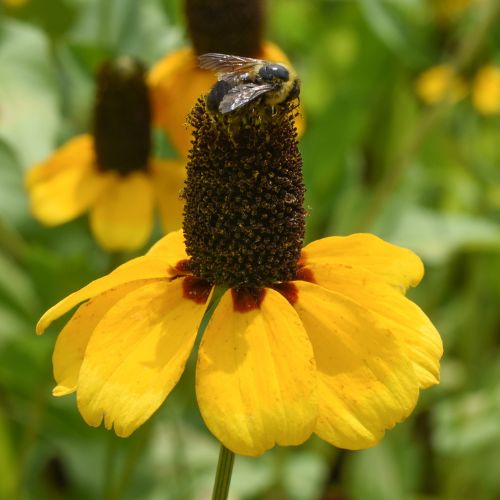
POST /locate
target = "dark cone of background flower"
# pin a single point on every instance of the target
(122, 116)
(244, 218)
(225, 26)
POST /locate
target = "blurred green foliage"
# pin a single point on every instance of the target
(375, 159)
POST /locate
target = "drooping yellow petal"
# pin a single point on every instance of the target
(67, 184)
(136, 355)
(255, 381)
(409, 324)
(176, 83)
(72, 341)
(394, 265)
(146, 267)
(366, 384)
(168, 181)
(122, 217)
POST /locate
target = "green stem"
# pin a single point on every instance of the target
(223, 475)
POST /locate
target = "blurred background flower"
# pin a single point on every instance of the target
(375, 158)
(486, 90)
(439, 83)
(110, 172)
(233, 27)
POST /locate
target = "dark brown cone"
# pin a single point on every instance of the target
(244, 218)
(226, 26)
(122, 116)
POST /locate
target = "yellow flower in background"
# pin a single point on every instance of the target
(446, 11)
(15, 3)
(438, 83)
(316, 340)
(486, 90)
(110, 173)
(228, 27)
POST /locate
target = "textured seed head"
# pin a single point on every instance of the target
(244, 218)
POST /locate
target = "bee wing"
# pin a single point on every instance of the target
(223, 63)
(242, 94)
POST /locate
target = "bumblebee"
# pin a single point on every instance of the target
(241, 80)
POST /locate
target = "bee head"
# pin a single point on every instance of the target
(272, 72)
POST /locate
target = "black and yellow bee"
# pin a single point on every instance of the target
(241, 80)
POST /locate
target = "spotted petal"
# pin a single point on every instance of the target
(411, 327)
(394, 265)
(366, 384)
(255, 379)
(72, 342)
(136, 355)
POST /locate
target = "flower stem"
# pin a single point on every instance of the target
(223, 475)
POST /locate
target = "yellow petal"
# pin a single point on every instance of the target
(394, 265)
(122, 217)
(177, 82)
(136, 355)
(75, 152)
(168, 180)
(409, 324)
(73, 339)
(255, 380)
(171, 248)
(366, 384)
(67, 184)
(140, 268)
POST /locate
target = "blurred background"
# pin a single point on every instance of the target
(402, 104)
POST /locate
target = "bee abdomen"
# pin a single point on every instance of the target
(216, 94)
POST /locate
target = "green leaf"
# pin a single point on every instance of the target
(28, 92)
(436, 236)
(17, 286)
(396, 28)
(374, 474)
(13, 198)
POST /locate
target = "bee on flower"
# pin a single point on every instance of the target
(302, 340)
(226, 26)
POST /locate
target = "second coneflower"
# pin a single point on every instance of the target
(226, 26)
(110, 173)
(308, 340)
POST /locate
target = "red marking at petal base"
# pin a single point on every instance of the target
(288, 290)
(196, 289)
(247, 299)
(184, 266)
(302, 259)
(305, 274)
